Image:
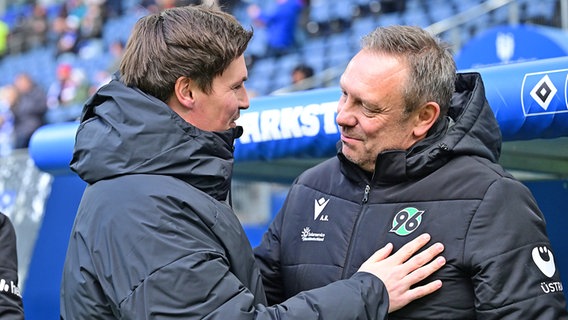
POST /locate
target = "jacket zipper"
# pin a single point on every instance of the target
(349, 250)
(366, 194)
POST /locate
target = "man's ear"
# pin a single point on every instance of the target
(184, 91)
(425, 118)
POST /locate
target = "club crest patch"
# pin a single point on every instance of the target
(406, 221)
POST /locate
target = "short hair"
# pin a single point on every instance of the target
(198, 42)
(432, 67)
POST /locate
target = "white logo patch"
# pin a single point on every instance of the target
(544, 260)
(319, 205)
(308, 235)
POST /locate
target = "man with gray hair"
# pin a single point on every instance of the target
(418, 153)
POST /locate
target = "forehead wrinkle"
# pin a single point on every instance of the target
(362, 81)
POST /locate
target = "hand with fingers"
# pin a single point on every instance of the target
(400, 271)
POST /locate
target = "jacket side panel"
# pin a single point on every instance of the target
(514, 272)
(267, 255)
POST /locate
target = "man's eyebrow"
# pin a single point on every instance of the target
(238, 82)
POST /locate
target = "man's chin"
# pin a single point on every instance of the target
(352, 155)
(348, 153)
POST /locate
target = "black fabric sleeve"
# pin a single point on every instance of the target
(511, 258)
(363, 296)
(267, 255)
(11, 306)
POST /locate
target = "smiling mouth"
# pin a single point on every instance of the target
(345, 138)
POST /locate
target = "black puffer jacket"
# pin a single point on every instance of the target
(154, 236)
(499, 260)
(11, 307)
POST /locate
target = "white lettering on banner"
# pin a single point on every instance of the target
(269, 121)
(290, 122)
(329, 111)
(251, 132)
(309, 119)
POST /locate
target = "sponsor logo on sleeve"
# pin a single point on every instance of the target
(9, 287)
(544, 260)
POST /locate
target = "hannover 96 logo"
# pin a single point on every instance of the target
(406, 221)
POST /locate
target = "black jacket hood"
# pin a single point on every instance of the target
(470, 128)
(125, 131)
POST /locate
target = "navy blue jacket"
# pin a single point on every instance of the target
(155, 237)
(499, 258)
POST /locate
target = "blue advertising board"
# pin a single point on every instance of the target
(512, 44)
(529, 101)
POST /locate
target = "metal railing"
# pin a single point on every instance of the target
(452, 25)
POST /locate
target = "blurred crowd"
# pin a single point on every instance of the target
(69, 25)
(22, 110)
(74, 29)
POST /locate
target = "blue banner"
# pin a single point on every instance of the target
(529, 100)
(298, 125)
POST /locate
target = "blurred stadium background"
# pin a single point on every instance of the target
(42, 203)
(329, 34)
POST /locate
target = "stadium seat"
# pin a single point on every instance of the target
(362, 26)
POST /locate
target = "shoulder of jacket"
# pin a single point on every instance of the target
(325, 167)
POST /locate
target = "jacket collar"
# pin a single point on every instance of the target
(125, 131)
(470, 128)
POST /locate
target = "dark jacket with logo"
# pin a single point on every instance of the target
(499, 259)
(11, 307)
(154, 236)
